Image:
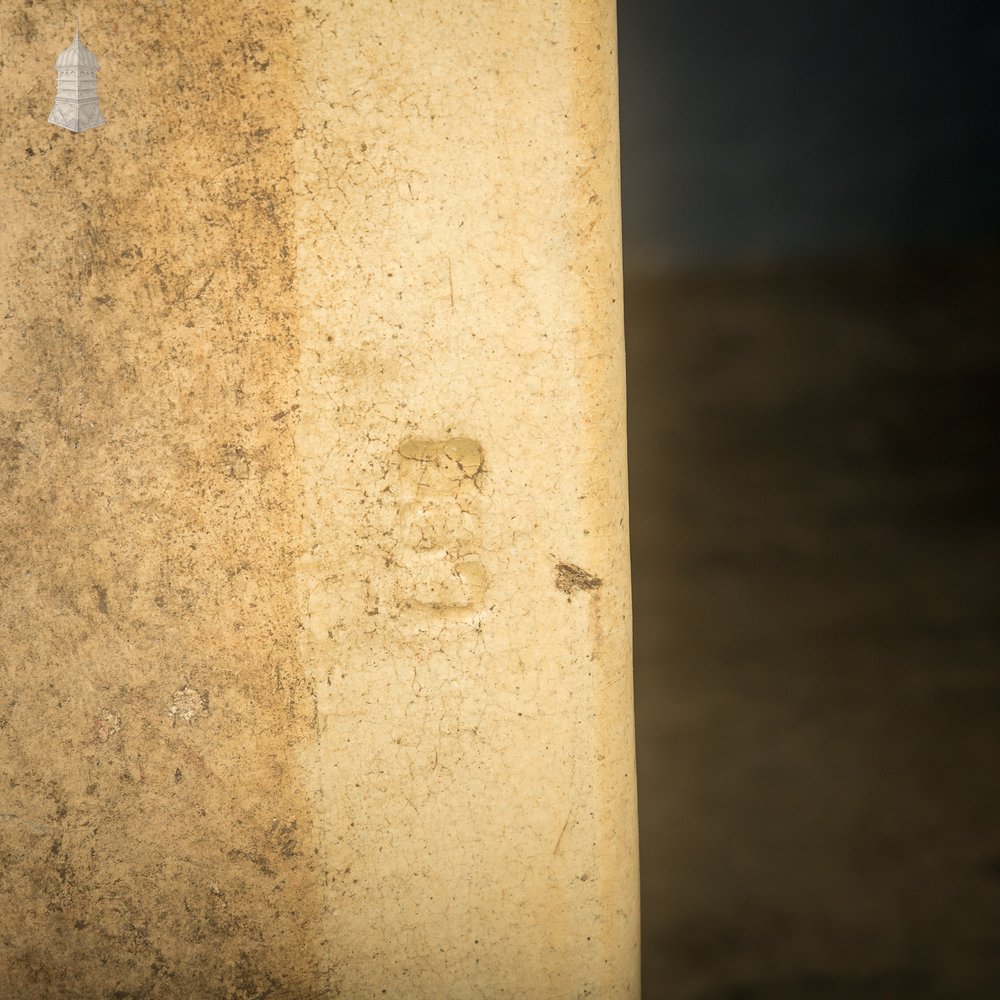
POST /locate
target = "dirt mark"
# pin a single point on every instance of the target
(570, 579)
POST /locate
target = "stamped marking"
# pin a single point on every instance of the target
(439, 555)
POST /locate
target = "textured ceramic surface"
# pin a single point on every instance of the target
(314, 611)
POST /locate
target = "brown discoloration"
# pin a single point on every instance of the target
(570, 578)
(157, 825)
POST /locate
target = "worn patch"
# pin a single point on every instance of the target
(156, 834)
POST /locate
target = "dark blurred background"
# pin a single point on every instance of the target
(812, 250)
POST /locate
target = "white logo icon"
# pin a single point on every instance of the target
(76, 88)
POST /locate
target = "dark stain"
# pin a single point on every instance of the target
(102, 598)
(570, 578)
(283, 834)
(281, 414)
(254, 55)
(25, 26)
(256, 859)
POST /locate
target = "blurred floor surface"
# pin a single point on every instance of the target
(815, 552)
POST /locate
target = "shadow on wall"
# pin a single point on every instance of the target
(778, 130)
(815, 542)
